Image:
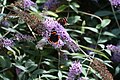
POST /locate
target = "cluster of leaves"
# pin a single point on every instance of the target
(96, 28)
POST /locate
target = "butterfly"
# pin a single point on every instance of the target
(54, 37)
(62, 21)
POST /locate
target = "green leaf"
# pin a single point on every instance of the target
(1, 15)
(90, 40)
(61, 8)
(52, 70)
(105, 22)
(3, 77)
(30, 63)
(92, 29)
(60, 75)
(107, 62)
(21, 76)
(77, 31)
(9, 29)
(40, 1)
(2, 61)
(102, 40)
(84, 23)
(102, 46)
(116, 31)
(48, 63)
(51, 13)
(33, 9)
(31, 68)
(117, 70)
(69, 0)
(5, 1)
(1, 5)
(103, 13)
(20, 67)
(39, 71)
(74, 6)
(109, 34)
(98, 26)
(108, 51)
(84, 69)
(49, 76)
(73, 19)
(78, 55)
(94, 50)
(37, 14)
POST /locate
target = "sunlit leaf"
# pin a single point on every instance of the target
(3, 77)
(102, 40)
(77, 31)
(5, 1)
(105, 22)
(73, 19)
(74, 6)
(41, 1)
(94, 50)
(49, 76)
(9, 29)
(108, 51)
(117, 70)
(90, 40)
(102, 46)
(60, 75)
(61, 8)
(108, 34)
(98, 26)
(51, 13)
(39, 71)
(20, 67)
(92, 29)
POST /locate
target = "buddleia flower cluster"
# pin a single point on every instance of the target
(116, 52)
(28, 3)
(21, 37)
(51, 4)
(5, 42)
(61, 37)
(5, 23)
(53, 33)
(74, 71)
(115, 3)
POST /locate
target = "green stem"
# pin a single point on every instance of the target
(89, 14)
(58, 60)
(3, 8)
(9, 31)
(115, 17)
(2, 11)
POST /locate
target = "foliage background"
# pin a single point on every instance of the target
(91, 23)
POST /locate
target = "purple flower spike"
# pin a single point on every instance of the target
(51, 4)
(116, 57)
(57, 36)
(113, 48)
(21, 37)
(115, 2)
(7, 42)
(5, 23)
(75, 69)
(28, 3)
(116, 52)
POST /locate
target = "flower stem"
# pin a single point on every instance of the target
(115, 17)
